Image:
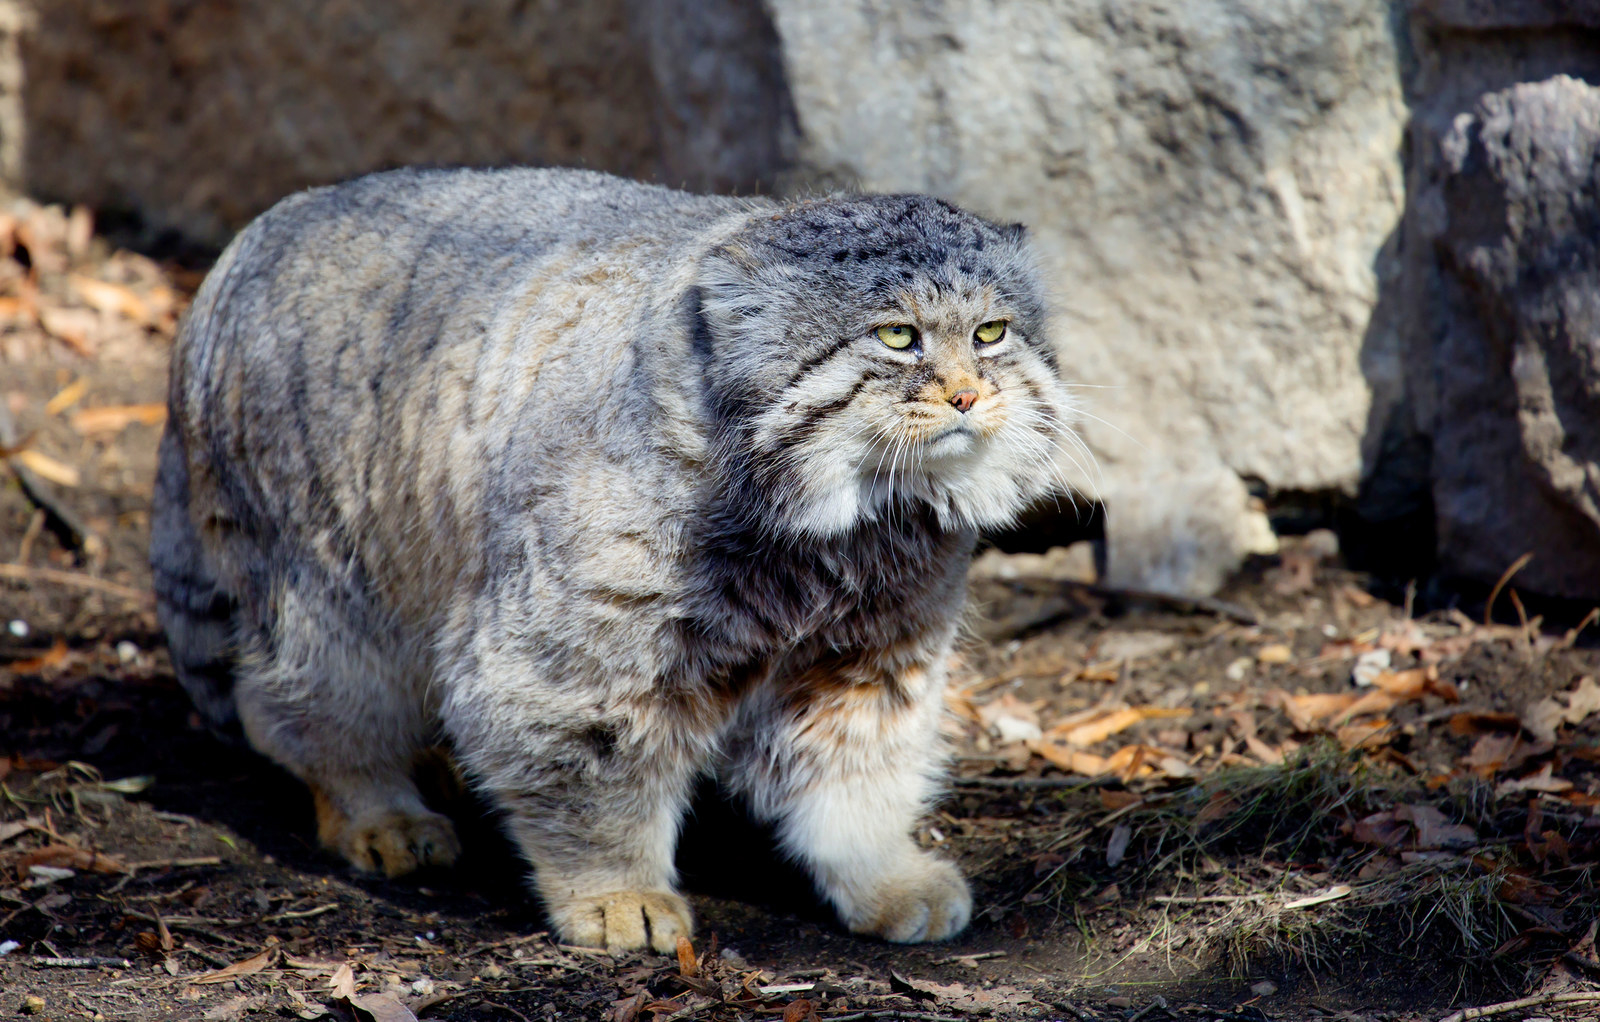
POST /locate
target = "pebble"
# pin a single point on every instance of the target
(19, 628)
(32, 1004)
(127, 652)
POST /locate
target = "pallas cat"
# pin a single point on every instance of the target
(604, 486)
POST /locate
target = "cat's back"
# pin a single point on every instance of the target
(376, 362)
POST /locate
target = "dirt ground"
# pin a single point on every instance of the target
(1297, 801)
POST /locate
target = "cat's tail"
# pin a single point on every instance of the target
(196, 609)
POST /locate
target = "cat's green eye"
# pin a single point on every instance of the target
(898, 336)
(988, 333)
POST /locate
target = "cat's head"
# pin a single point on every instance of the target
(868, 353)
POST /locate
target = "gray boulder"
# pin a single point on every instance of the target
(1511, 217)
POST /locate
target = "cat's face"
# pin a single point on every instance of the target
(869, 353)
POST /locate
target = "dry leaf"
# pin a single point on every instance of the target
(1541, 781)
(1274, 653)
(343, 982)
(1120, 720)
(69, 857)
(1364, 734)
(55, 656)
(67, 396)
(1217, 806)
(72, 327)
(47, 468)
(248, 967)
(688, 968)
(801, 1010)
(113, 299)
(1306, 712)
(380, 1008)
(114, 418)
(1477, 722)
(1433, 829)
(1074, 761)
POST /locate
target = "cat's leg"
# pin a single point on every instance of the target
(332, 704)
(842, 761)
(594, 783)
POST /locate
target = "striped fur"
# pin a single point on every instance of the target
(605, 485)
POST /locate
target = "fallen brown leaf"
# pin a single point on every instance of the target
(55, 656)
(262, 959)
(67, 396)
(800, 1010)
(112, 299)
(379, 1008)
(47, 468)
(72, 327)
(1120, 720)
(688, 968)
(1074, 761)
(69, 857)
(114, 418)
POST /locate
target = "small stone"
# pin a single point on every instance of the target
(19, 628)
(493, 972)
(422, 987)
(32, 1004)
(1265, 988)
(1120, 1002)
(1369, 665)
(127, 652)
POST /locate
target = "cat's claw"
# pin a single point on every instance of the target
(929, 901)
(625, 920)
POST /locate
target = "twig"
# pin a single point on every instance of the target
(1207, 899)
(1159, 1004)
(215, 961)
(24, 573)
(1516, 566)
(961, 959)
(203, 860)
(83, 963)
(891, 1013)
(1571, 997)
(302, 914)
(1026, 783)
(1191, 604)
(508, 1008)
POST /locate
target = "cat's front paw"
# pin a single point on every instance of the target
(624, 920)
(928, 900)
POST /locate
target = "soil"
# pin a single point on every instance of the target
(1234, 837)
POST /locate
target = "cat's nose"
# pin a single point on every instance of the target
(964, 399)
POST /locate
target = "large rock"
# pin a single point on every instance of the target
(1510, 213)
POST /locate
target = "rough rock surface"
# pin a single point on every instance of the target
(198, 114)
(1513, 221)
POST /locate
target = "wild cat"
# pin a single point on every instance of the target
(605, 486)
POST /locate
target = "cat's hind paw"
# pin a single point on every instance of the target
(930, 901)
(624, 920)
(389, 841)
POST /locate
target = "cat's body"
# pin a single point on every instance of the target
(605, 485)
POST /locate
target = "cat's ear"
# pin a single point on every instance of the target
(1014, 233)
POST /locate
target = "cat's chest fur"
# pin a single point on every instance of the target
(760, 607)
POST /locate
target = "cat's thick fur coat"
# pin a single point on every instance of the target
(605, 485)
